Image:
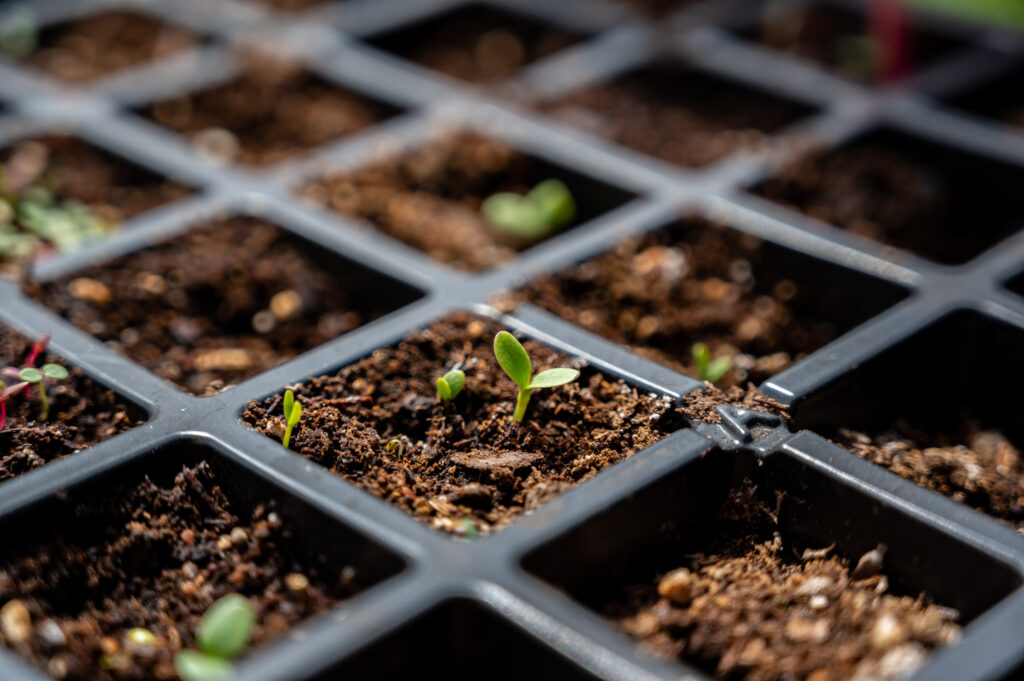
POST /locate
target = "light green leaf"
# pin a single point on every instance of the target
(515, 215)
(30, 374)
(226, 627)
(296, 413)
(289, 400)
(552, 378)
(55, 372)
(444, 391)
(513, 358)
(555, 202)
(701, 355)
(195, 666)
(717, 369)
(455, 380)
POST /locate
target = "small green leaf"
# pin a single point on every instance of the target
(513, 358)
(226, 627)
(455, 380)
(30, 374)
(55, 372)
(555, 202)
(717, 369)
(552, 378)
(195, 666)
(296, 413)
(444, 391)
(701, 355)
(289, 400)
(515, 215)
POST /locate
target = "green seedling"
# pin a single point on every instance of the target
(547, 208)
(469, 530)
(39, 377)
(292, 414)
(450, 385)
(515, 361)
(710, 370)
(223, 634)
(51, 372)
(394, 444)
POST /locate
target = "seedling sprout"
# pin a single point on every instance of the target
(710, 370)
(547, 208)
(513, 358)
(292, 414)
(450, 385)
(223, 634)
(29, 375)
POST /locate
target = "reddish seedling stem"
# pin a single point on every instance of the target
(38, 348)
(887, 25)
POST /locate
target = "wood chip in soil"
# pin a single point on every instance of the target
(466, 459)
(82, 413)
(227, 300)
(154, 556)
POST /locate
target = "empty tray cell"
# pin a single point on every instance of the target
(841, 39)
(754, 302)
(272, 110)
(461, 637)
(962, 440)
(1001, 100)
(936, 201)
(227, 300)
(153, 544)
(62, 193)
(431, 196)
(677, 114)
(476, 43)
(78, 411)
(100, 44)
(465, 466)
(760, 570)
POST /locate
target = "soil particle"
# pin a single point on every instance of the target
(677, 115)
(748, 609)
(466, 458)
(185, 309)
(699, 406)
(82, 413)
(124, 564)
(100, 44)
(695, 282)
(977, 467)
(272, 110)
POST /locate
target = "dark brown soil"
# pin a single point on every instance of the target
(659, 6)
(104, 43)
(82, 413)
(977, 467)
(465, 463)
(699, 406)
(429, 197)
(272, 110)
(156, 557)
(111, 187)
(677, 115)
(694, 282)
(476, 44)
(836, 37)
(224, 302)
(751, 609)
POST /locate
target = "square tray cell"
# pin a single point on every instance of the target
(153, 544)
(104, 43)
(750, 602)
(461, 637)
(838, 38)
(227, 300)
(1001, 100)
(430, 196)
(752, 301)
(936, 201)
(939, 409)
(273, 109)
(81, 412)
(677, 114)
(465, 466)
(476, 43)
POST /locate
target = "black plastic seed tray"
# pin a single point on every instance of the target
(927, 338)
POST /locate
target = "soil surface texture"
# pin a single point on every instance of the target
(82, 413)
(465, 466)
(476, 44)
(152, 556)
(693, 282)
(104, 43)
(222, 303)
(756, 609)
(677, 115)
(272, 110)
(977, 467)
(430, 197)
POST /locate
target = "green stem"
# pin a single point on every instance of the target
(286, 440)
(44, 409)
(522, 399)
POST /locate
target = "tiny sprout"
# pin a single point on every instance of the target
(223, 634)
(450, 385)
(469, 530)
(142, 637)
(394, 444)
(515, 361)
(545, 209)
(710, 370)
(292, 414)
(49, 372)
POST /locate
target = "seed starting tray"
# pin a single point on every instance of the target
(500, 606)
